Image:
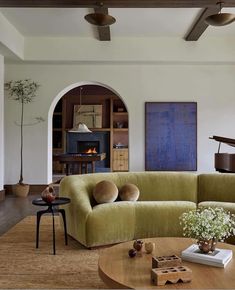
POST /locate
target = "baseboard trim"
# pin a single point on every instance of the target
(2, 194)
(34, 188)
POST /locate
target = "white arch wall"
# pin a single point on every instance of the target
(211, 86)
(50, 115)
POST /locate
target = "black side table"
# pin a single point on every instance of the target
(51, 209)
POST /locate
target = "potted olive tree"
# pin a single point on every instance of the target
(22, 91)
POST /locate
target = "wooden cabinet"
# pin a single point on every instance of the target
(120, 135)
(120, 159)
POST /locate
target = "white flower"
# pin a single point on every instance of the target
(208, 223)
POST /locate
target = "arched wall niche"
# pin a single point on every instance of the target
(72, 88)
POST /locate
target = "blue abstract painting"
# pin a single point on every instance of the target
(171, 136)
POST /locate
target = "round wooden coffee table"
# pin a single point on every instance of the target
(117, 270)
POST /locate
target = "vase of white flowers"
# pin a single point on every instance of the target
(208, 225)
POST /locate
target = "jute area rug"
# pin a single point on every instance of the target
(22, 266)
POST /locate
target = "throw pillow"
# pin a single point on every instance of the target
(105, 191)
(129, 192)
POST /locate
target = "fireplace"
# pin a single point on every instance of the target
(88, 147)
(100, 138)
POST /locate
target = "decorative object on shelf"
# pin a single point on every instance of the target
(160, 276)
(170, 136)
(48, 194)
(120, 109)
(220, 19)
(99, 18)
(91, 115)
(86, 116)
(149, 247)
(166, 261)
(119, 125)
(138, 244)
(208, 225)
(119, 145)
(23, 91)
(132, 253)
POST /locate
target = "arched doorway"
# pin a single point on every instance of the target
(111, 129)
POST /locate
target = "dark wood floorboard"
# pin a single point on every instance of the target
(14, 209)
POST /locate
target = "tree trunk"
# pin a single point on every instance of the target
(21, 142)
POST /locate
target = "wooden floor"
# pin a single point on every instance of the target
(13, 209)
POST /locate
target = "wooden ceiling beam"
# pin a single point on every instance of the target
(116, 3)
(103, 32)
(200, 25)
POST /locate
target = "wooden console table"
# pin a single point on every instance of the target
(81, 160)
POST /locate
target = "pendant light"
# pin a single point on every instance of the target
(99, 18)
(220, 19)
(80, 127)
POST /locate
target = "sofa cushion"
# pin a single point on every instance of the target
(105, 191)
(229, 206)
(216, 187)
(110, 223)
(129, 192)
(161, 186)
(160, 218)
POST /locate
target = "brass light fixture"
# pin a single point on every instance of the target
(99, 18)
(220, 19)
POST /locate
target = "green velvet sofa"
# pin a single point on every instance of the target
(164, 196)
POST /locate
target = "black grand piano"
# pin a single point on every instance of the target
(224, 162)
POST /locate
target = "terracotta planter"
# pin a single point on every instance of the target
(207, 246)
(20, 190)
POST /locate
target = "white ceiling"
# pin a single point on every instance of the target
(138, 22)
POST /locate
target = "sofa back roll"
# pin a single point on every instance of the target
(216, 187)
(153, 186)
(167, 186)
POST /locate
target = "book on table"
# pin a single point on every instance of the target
(218, 258)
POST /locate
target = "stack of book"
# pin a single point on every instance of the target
(218, 258)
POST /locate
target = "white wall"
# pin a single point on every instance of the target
(10, 38)
(1, 122)
(130, 49)
(211, 86)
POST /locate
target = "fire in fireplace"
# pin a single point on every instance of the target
(88, 147)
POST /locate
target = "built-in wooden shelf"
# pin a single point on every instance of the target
(120, 113)
(114, 122)
(100, 129)
(120, 129)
